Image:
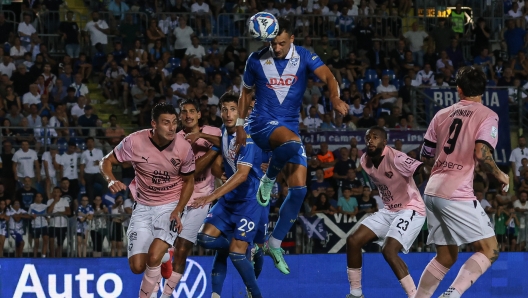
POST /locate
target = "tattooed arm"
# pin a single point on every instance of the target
(484, 156)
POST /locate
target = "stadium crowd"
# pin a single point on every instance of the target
(52, 138)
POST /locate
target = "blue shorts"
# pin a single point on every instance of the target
(262, 230)
(18, 237)
(261, 132)
(240, 219)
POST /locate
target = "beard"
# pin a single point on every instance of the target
(376, 152)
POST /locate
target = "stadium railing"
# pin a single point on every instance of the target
(111, 230)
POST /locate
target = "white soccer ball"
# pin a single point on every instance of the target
(263, 26)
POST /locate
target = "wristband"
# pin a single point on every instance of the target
(240, 122)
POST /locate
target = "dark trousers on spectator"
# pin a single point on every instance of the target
(90, 180)
(74, 188)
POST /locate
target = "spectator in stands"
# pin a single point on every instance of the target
(377, 57)
(366, 203)
(70, 34)
(481, 34)
(415, 38)
(327, 124)
(118, 9)
(16, 226)
(322, 205)
(202, 13)
(366, 121)
(69, 165)
(70, 98)
(26, 194)
(25, 133)
(516, 157)
(154, 34)
(344, 23)
(6, 32)
(32, 97)
(45, 134)
(323, 48)
(80, 88)
(507, 78)
(49, 166)
(116, 227)
(7, 132)
(14, 116)
(59, 91)
(327, 160)
(425, 77)
(442, 35)
(312, 122)
(33, 118)
(311, 89)
(519, 65)
(67, 76)
(343, 164)
(98, 226)
(198, 71)
(183, 34)
(11, 99)
(49, 78)
(351, 181)
(454, 52)
(515, 12)
(514, 37)
(59, 207)
(388, 93)
(319, 107)
(38, 67)
(347, 204)
(97, 31)
(7, 67)
(113, 134)
(26, 30)
(338, 66)
(444, 63)
(25, 164)
(113, 83)
(313, 165)
(87, 120)
(485, 62)
(521, 207)
(319, 184)
(364, 34)
(89, 170)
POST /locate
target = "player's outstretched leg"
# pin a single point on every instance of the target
(166, 263)
(355, 242)
(487, 252)
(212, 238)
(390, 251)
(153, 271)
(218, 274)
(434, 272)
(286, 145)
(296, 179)
(237, 254)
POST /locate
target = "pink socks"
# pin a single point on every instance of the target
(354, 278)
(472, 269)
(431, 277)
(151, 277)
(407, 284)
(171, 283)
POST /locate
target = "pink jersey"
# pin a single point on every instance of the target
(394, 180)
(451, 139)
(158, 178)
(203, 183)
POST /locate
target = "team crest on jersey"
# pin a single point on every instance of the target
(294, 61)
(174, 162)
(494, 132)
(283, 81)
(389, 174)
(268, 62)
(231, 153)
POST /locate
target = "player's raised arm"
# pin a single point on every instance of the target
(205, 161)
(243, 106)
(484, 156)
(325, 75)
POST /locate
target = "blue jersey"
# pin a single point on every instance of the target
(279, 85)
(249, 155)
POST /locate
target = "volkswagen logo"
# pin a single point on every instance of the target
(193, 281)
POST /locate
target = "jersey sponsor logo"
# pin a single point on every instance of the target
(273, 123)
(385, 193)
(314, 57)
(285, 80)
(160, 177)
(449, 165)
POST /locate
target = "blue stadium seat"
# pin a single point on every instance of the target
(390, 73)
(62, 145)
(371, 74)
(376, 82)
(360, 83)
(175, 62)
(396, 83)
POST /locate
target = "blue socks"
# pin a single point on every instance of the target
(258, 262)
(280, 157)
(210, 242)
(245, 269)
(218, 273)
(289, 211)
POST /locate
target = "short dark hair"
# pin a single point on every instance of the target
(189, 101)
(381, 130)
(471, 80)
(89, 138)
(228, 97)
(111, 116)
(162, 108)
(63, 178)
(285, 26)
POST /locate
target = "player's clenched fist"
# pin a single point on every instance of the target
(504, 179)
(176, 224)
(116, 186)
(340, 106)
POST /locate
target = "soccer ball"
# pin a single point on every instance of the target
(263, 26)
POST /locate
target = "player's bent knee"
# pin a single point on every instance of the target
(136, 265)
(389, 251)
